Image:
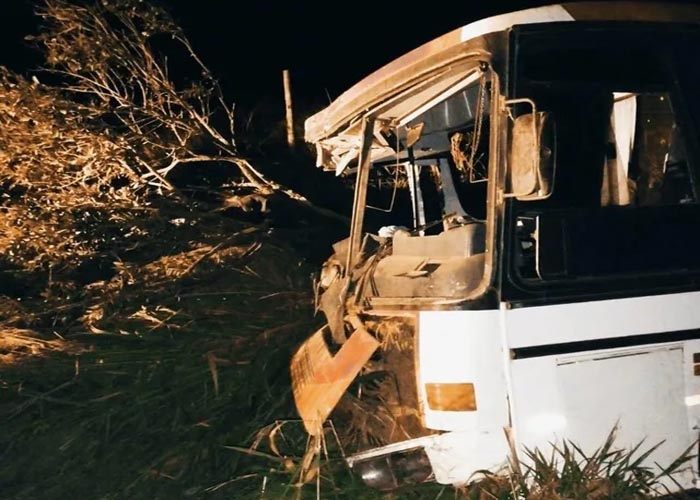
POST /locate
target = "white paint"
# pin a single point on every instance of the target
(644, 388)
(456, 456)
(551, 13)
(462, 346)
(545, 424)
(692, 385)
(693, 400)
(582, 400)
(649, 389)
(557, 324)
(535, 400)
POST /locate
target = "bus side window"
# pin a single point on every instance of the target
(645, 160)
(643, 220)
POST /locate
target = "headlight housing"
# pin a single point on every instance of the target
(387, 472)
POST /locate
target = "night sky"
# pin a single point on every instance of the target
(327, 46)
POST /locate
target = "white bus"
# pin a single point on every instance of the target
(524, 253)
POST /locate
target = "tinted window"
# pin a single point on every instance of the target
(624, 200)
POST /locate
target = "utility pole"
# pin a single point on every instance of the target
(288, 108)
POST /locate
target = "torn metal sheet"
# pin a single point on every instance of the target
(320, 378)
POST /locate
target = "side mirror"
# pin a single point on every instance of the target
(531, 159)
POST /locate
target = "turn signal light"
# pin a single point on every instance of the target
(451, 396)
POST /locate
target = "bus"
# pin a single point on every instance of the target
(523, 261)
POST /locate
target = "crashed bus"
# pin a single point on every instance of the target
(523, 261)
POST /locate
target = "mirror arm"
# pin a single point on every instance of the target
(510, 102)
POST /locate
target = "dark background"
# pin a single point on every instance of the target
(327, 46)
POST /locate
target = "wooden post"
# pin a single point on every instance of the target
(288, 108)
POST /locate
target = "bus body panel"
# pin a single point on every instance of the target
(648, 393)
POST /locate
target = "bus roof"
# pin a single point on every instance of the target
(451, 52)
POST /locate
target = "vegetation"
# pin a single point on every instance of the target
(112, 56)
(609, 473)
(146, 323)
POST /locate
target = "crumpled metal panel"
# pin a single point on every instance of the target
(319, 378)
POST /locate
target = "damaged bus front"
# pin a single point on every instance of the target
(522, 255)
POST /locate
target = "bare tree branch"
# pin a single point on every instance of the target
(111, 54)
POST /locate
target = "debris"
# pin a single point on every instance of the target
(319, 378)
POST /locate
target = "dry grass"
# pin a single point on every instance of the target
(18, 345)
(162, 367)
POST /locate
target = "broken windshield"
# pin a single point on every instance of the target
(436, 175)
(427, 202)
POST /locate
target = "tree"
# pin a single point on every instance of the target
(58, 176)
(112, 56)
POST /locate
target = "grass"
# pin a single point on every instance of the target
(170, 379)
(142, 385)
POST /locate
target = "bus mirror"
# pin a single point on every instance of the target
(531, 159)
